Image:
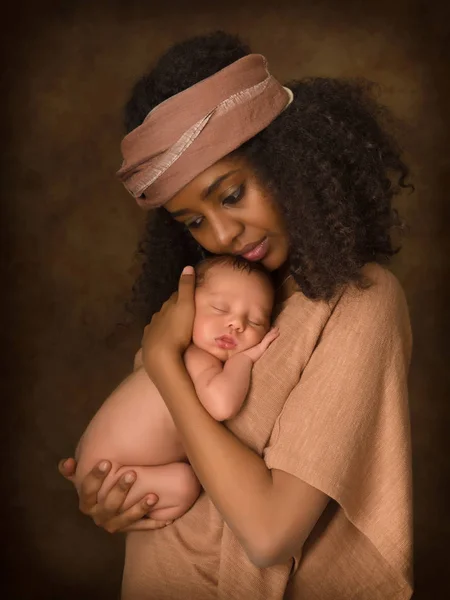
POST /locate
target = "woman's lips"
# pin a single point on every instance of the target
(258, 252)
(226, 342)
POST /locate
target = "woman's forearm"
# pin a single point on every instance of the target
(236, 478)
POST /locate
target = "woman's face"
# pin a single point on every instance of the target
(228, 212)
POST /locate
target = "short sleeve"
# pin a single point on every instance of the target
(344, 428)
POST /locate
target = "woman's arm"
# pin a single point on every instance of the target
(271, 512)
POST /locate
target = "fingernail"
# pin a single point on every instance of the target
(188, 270)
(129, 477)
(150, 501)
(103, 466)
(169, 522)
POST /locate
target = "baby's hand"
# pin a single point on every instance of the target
(257, 351)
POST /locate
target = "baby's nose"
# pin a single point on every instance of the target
(237, 324)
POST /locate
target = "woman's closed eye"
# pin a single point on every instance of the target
(195, 224)
(234, 196)
(229, 200)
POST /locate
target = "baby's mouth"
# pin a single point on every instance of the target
(227, 342)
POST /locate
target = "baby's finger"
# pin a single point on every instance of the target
(272, 335)
(91, 485)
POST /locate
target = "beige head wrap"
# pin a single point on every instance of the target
(189, 132)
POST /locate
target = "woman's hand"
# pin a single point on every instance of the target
(170, 331)
(108, 514)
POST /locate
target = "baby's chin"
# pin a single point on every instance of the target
(221, 353)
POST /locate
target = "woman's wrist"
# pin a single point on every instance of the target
(163, 363)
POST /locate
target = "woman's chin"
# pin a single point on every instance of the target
(274, 260)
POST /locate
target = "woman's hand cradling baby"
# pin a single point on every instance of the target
(108, 514)
(170, 331)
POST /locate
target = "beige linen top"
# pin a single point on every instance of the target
(328, 404)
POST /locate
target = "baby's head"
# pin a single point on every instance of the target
(233, 305)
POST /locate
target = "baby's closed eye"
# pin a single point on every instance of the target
(222, 309)
(256, 323)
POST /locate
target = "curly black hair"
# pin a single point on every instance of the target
(327, 160)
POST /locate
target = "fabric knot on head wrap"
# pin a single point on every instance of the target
(189, 132)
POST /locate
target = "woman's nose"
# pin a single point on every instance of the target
(225, 231)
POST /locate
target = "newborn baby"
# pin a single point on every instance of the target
(134, 429)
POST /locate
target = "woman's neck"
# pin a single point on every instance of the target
(285, 284)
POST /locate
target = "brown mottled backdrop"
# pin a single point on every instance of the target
(70, 233)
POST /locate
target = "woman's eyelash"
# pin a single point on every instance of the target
(230, 199)
(235, 196)
(195, 224)
(220, 309)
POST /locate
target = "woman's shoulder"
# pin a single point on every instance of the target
(380, 285)
(378, 300)
(378, 303)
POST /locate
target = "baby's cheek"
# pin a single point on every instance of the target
(197, 336)
(201, 335)
(259, 335)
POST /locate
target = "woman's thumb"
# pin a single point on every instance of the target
(186, 286)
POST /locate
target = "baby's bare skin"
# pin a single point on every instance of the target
(134, 429)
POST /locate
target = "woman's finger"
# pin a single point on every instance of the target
(146, 525)
(112, 504)
(67, 468)
(169, 302)
(186, 284)
(129, 518)
(91, 486)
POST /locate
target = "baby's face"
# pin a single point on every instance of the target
(232, 311)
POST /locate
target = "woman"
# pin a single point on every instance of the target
(308, 489)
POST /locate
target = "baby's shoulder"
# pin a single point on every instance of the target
(196, 359)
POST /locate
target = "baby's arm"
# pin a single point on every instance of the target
(222, 389)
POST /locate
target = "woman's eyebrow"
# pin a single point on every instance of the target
(215, 184)
(179, 213)
(207, 192)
